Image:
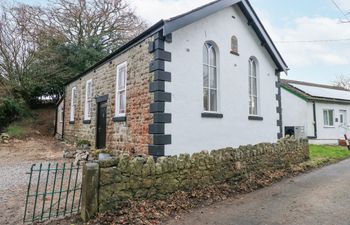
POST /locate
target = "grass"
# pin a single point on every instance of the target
(322, 154)
(16, 131)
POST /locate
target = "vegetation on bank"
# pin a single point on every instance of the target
(323, 154)
(12, 110)
(16, 131)
(39, 122)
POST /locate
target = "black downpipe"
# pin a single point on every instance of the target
(315, 123)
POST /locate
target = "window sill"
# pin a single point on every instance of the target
(86, 121)
(119, 119)
(212, 115)
(234, 53)
(256, 118)
(71, 122)
(328, 126)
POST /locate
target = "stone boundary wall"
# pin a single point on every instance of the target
(130, 178)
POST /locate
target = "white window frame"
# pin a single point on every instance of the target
(251, 77)
(326, 122)
(117, 91)
(216, 67)
(88, 101)
(73, 103)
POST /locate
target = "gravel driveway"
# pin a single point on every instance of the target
(16, 159)
(321, 197)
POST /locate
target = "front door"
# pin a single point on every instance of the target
(101, 125)
(343, 123)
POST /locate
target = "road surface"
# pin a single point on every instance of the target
(321, 197)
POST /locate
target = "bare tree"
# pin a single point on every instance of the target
(27, 33)
(16, 48)
(111, 22)
(343, 82)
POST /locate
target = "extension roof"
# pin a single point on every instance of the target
(170, 25)
(317, 92)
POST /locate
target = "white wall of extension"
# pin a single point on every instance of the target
(191, 132)
(295, 112)
(330, 135)
(299, 112)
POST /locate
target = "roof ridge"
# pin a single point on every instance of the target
(291, 82)
(191, 11)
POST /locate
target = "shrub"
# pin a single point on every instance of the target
(11, 110)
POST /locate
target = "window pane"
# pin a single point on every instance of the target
(250, 67)
(254, 87)
(89, 109)
(122, 102)
(205, 76)
(213, 78)
(213, 100)
(253, 109)
(250, 86)
(325, 117)
(212, 56)
(121, 79)
(205, 54)
(89, 90)
(75, 96)
(250, 105)
(206, 99)
(253, 73)
(331, 118)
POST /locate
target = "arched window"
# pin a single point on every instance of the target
(253, 86)
(210, 77)
(234, 45)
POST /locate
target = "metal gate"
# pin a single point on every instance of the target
(54, 190)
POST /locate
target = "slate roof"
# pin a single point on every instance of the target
(317, 92)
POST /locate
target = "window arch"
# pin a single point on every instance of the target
(234, 45)
(253, 86)
(210, 77)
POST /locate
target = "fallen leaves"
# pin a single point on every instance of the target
(150, 212)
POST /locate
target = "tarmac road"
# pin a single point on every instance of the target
(321, 197)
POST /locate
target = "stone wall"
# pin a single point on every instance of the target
(124, 178)
(130, 135)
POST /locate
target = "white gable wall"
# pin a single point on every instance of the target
(295, 112)
(192, 133)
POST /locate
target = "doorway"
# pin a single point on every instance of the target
(101, 125)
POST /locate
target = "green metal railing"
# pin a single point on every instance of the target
(52, 192)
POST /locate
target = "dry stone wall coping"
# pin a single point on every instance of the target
(141, 177)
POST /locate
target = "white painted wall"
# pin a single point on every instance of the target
(330, 134)
(298, 112)
(192, 133)
(295, 111)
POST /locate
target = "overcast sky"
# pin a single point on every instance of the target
(287, 21)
